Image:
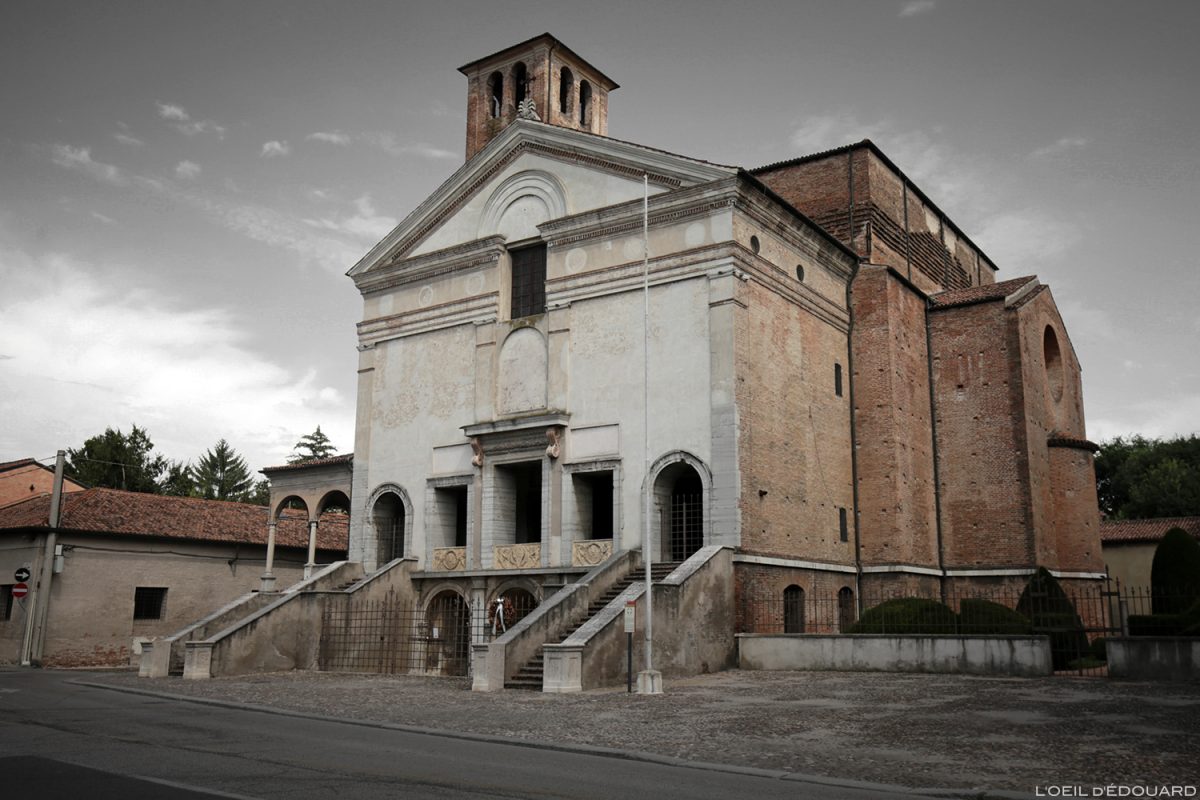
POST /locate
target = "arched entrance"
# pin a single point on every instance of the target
(388, 518)
(793, 609)
(846, 610)
(679, 494)
(448, 634)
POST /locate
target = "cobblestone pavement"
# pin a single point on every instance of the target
(919, 731)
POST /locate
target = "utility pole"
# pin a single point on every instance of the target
(649, 679)
(35, 621)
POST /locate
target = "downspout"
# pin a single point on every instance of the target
(937, 482)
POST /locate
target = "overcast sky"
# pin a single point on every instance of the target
(184, 184)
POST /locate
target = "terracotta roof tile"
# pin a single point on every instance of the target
(978, 294)
(5, 466)
(136, 514)
(1145, 530)
(316, 462)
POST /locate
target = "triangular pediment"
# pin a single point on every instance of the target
(532, 173)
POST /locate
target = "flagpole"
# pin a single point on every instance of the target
(649, 681)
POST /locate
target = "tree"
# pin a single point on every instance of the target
(179, 480)
(260, 495)
(1139, 478)
(221, 474)
(311, 447)
(115, 460)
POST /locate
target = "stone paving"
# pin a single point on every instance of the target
(919, 731)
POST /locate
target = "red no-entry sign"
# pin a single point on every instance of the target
(19, 590)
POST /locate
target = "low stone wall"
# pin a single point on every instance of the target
(1024, 656)
(1155, 658)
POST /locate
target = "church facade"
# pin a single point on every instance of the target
(807, 363)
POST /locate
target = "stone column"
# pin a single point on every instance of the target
(312, 549)
(268, 579)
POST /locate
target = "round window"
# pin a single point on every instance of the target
(800, 273)
(754, 245)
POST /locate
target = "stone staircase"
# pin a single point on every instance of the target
(531, 673)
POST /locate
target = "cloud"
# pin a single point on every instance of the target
(275, 149)
(366, 224)
(196, 378)
(80, 158)
(916, 7)
(103, 218)
(1063, 145)
(184, 123)
(387, 143)
(172, 112)
(187, 170)
(125, 138)
(1023, 241)
(334, 137)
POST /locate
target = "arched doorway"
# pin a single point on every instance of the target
(679, 492)
(387, 517)
(448, 634)
(846, 611)
(793, 610)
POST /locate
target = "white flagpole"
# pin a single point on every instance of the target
(648, 685)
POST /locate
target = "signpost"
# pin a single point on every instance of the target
(21, 575)
(19, 590)
(630, 609)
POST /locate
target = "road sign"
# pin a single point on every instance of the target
(630, 608)
(19, 590)
(21, 575)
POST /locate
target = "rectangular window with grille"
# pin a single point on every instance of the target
(843, 526)
(528, 281)
(149, 602)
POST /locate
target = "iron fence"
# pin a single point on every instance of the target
(1077, 617)
(393, 635)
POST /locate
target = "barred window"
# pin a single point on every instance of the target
(528, 281)
(149, 602)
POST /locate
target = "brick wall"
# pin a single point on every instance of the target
(893, 436)
(794, 434)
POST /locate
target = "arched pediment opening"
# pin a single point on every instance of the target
(390, 513)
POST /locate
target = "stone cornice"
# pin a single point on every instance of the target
(469, 255)
(481, 308)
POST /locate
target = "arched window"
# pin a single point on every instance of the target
(846, 612)
(565, 81)
(448, 622)
(585, 103)
(495, 94)
(520, 82)
(793, 610)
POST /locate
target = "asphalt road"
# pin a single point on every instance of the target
(59, 739)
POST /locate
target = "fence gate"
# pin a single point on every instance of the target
(1074, 622)
(392, 636)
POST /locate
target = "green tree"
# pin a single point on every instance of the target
(115, 460)
(222, 474)
(260, 495)
(179, 480)
(1139, 478)
(311, 447)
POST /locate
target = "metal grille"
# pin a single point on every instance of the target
(391, 636)
(686, 525)
(528, 281)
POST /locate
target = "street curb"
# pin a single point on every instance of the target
(580, 749)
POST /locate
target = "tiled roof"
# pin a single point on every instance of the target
(1145, 530)
(316, 462)
(1061, 439)
(978, 294)
(5, 466)
(137, 514)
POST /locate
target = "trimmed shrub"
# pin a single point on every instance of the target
(1189, 620)
(907, 615)
(1153, 624)
(1175, 572)
(1047, 606)
(981, 617)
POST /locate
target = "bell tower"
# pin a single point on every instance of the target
(540, 79)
